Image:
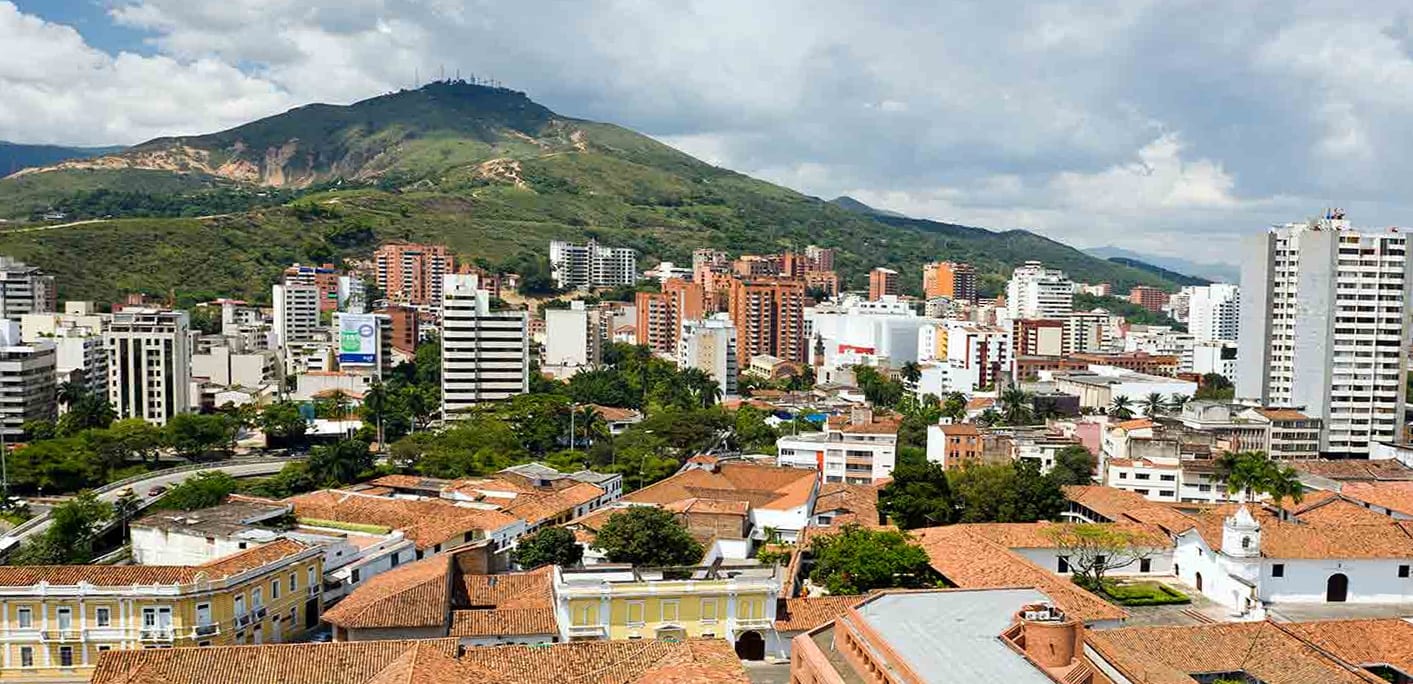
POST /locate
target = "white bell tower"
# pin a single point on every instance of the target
(1241, 535)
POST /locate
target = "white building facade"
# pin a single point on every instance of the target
(591, 265)
(709, 345)
(1038, 292)
(485, 353)
(149, 364)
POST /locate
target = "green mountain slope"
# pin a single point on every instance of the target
(15, 156)
(485, 170)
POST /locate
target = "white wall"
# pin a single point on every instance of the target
(1160, 563)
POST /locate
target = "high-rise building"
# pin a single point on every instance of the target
(1324, 327)
(882, 281)
(296, 317)
(1214, 312)
(405, 332)
(351, 295)
(574, 337)
(591, 265)
(1090, 331)
(24, 289)
(710, 345)
(412, 273)
(80, 357)
(1038, 292)
(769, 315)
(824, 281)
(819, 258)
(660, 314)
(26, 381)
(949, 279)
(149, 363)
(1037, 337)
(325, 278)
(485, 353)
(1150, 298)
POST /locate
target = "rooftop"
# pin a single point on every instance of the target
(1355, 470)
(427, 522)
(130, 575)
(229, 519)
(763, 487)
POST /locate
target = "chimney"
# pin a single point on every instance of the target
(1048, 636)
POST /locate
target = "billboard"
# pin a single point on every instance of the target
(358, 339)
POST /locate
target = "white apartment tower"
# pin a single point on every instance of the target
(485, 353)
(1038, 292)
(1214, 312)
(149, 363)
(1326, 328)
(26, 381)
(587, 266)
(574, 337)
(24, 289)
(710, 345)
(296, 317)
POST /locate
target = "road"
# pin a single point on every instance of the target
(143, 488)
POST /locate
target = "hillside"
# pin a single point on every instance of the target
(485, 170)
(14, 156)
(1212, 272)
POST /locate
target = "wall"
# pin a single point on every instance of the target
(1161, 562)
(1370, 581)
(155, 546)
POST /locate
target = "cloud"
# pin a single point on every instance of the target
(1142, 122)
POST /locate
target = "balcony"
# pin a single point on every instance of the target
(205, 630)
(155, 634)
(313, 592)
(60, 635)
(588, 631)
(753, 623)
(242, 620)
(260, 613)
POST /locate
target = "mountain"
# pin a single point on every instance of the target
(485, 170)
(1220, 272)
(1160, 271)
(14, 156)
(848, 203)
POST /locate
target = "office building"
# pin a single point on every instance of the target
(296, 318)
(1325, 327)
(950, 279)
(81, 358)
(1037, 337)
(959, 356)
(660, 314)
(412, 273)
(27, 380)
(769, 318)
(1150, 298)
(485, 353)
(1214, 312)
(24, 289)
(881, 282)
(574, 338)
(591, 265)
(149, 363)
(1038, 292)
(325, 278)
(826, 282)
(854, 328)
(405, 331)
(1091, 331)
(709, 345)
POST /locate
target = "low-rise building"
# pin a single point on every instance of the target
(953, 446)
(859, 448)
(777, 498)
(1100, 385)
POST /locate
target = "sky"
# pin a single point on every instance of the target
(1169, 128)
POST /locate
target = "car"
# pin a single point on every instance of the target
(159, 490)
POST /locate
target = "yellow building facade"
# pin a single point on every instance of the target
(58, 620)
(614, 603)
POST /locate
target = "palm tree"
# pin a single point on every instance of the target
(1153, 404)
(955, 407)
(911, 372)
(70, 392)
(988, 417)
(375, 406)
(1015, 406)
(1121, 407)
(1253, 472)
(1177, 401)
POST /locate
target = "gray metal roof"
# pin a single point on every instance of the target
(954, 636)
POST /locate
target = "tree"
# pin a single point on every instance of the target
(911, 372)
(125, 507)
(1074, 465)
(988, 417)
(137, 438)
(955, 406)
(1153, 404)
(1005, 492)
(1177, 401)
(647, 536)
(87, 412)
(1215, 386)
(340, 463)
(1253, 472)
(1015, 406)
(283, 424)
(1093, 549)
(70, 392)
(548, 546)
(857, 560)
(192, 435)
(1121, 407)
(69, 540)
(203, 490)
(918, 496)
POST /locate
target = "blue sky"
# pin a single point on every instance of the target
(1163, 127)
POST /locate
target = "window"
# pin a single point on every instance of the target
(355, 576)
(66, 618)
(1123, 475)
(240, 605)
(395, 559)
(1278, 570)
(66, 656)
(669, 611)
(257, 598)
(1145, 565)
(25, 618)
(1403, 571)
(635, 612)
(586, 614)
(103, 617)
(203, 614)
(1062, 564)
(294, 581)
(26, 656)
(708, 610)
(275, 590)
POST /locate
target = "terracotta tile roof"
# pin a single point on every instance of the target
(504, 622)
(980, 403)
(1118, 505)
(426, 522)
(614, 414)
(398, 481)
(127, 575)
(960, 430)
(853, 503)
(710, 507)
(1282, 415)
(1261, 649)
(971, 561)
(348, 662)
(880, 425)
(767, 487)
(1362, 642)
(418, 665)
(1396, 496)
(414, 595)
(1384, 539)
(695, 661)
(537, 507)
(1035, 535)
(1355, 469)
(1135, 424)
(1336, 511)
(806, 613)
(531, 589)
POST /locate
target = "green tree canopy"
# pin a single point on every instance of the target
(282, 423)
(340, 463)
(203, 490)
(548, 546)
(70, 538)
(647, 536)
(1005, 492)
(918, 496)
(857, 559)
(192, 435)
(1074, 465)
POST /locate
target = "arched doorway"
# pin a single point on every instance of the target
(1337, 588)
(1199, 581)
(750, 646)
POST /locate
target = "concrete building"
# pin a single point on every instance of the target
(1097, 387)
(860, 448)
(963, 357)
(819, 258)
(660, 314)
(769, 315)
(885, 329)
(1325, 326)
(1214, 312)
(80, 357)
(950, 279)
(591, 265)
(1162, 340)
(149, 363)
(296, 319)
(406, 328)
(24, 290)
(324, 278)
(225, 367)
(412, 273)
(881, 282)
(485, 353)
(574, 339)
(1037, 337)
(1215, 356)
(1088, 332)
(1150, 298)
(1038, 292)
(709, 345)
(953, 446)
(27, 380)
